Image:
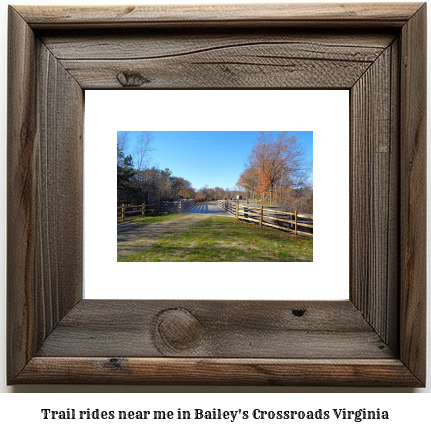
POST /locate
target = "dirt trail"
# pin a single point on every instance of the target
(133, 238)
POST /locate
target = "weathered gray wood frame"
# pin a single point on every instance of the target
(377, 338)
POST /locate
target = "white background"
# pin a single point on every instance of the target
(324, 112)
(23, 410)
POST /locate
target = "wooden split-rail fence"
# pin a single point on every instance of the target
(273, 216)
(154, 209)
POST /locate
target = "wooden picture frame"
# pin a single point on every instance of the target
(376, 338)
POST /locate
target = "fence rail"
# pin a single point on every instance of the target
(272, 216)
(154, 209)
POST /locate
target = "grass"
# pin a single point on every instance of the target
(223, 239)
(147, 220)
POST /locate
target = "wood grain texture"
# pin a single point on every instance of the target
(241, 329)
(53, 336)
(374, 195)
(413, 194)
(186, 59)
(59, 245)
(21, 194)
(217, 371)
(299, 14)
(140, 44)
(44, 193)
(392, 299)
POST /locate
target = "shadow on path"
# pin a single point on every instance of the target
(210, 208)
(133, 237)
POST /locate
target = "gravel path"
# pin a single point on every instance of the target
(133, 237)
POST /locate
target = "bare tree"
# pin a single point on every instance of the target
(300, 198)
(142, 150)
(219, 192)
(141, 157)
(277, 161)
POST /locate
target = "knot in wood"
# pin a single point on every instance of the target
(131, 79)
(178, 329)
(115, 363)
(298, 312)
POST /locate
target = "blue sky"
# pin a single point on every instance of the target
(212, 158)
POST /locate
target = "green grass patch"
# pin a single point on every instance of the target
(222, 239)
(147, 220)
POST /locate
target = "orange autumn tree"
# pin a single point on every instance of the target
(248, 180)
(274, 161)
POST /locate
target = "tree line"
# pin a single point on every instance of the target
(138, 181)
(277, 171)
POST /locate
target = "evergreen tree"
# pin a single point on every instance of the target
(125, 174)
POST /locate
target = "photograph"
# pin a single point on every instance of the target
(253, 201)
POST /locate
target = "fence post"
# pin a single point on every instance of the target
(236, 210)
(296, 222)
(143, 209)
(261, 216)
(123, 212)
